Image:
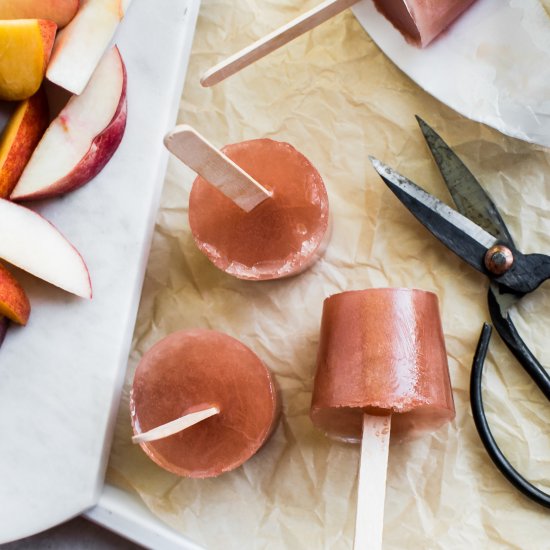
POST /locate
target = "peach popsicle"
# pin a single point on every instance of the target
(200, 370)
(382, 364)
(282, 234)
(420, 21)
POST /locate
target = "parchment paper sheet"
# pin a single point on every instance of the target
(335, 97)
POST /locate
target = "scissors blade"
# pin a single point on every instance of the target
(458, 233)
(470, 198)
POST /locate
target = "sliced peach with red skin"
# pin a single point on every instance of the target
(60, 11)
(82, 139)
(25, 48)
(14, 303)
(20, 138)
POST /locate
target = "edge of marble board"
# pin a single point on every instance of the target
(125, 513)
(35, 521)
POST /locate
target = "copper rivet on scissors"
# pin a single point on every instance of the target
(499, 259)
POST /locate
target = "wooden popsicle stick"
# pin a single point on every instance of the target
(274, 40)
(369, 521)
(215, 167)
(175, 426)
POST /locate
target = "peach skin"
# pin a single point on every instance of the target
(82, 139)
(20, 138)
(14, 303)
(59, 11)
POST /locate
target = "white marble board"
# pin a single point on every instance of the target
(60, 377)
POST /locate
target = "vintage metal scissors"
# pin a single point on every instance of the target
(478, 235)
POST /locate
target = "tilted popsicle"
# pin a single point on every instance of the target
(381, 363)
(195, 370)
(420, 21)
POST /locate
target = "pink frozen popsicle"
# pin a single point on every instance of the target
(421, 21)
(381, 352)
(381, 365)
(282, 236)
(192, 371)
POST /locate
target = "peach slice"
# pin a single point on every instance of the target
(25, 47)
(81, 44)
(14, 303)
(33, 244)
(60, 11)
(20, 137)
(82, 139)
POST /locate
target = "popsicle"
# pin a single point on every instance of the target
(420, 21)
(219, 381)
(381, 366)
(285, 231)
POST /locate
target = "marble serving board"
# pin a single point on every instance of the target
(60, 377)
(492, 65)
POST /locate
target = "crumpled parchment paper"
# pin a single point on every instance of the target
(337, 98)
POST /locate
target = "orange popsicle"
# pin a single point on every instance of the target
(381, 352)
(187, 370)
(282, 236)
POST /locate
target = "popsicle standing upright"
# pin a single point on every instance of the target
(259, 208)
(381, 366)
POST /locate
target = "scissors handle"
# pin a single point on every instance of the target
(478, 412)
(509, 334)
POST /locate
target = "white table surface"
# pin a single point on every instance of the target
(77, 534)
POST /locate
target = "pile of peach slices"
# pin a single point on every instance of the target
(47, 46)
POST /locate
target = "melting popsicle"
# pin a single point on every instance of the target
(193, 372)
(381, 365)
